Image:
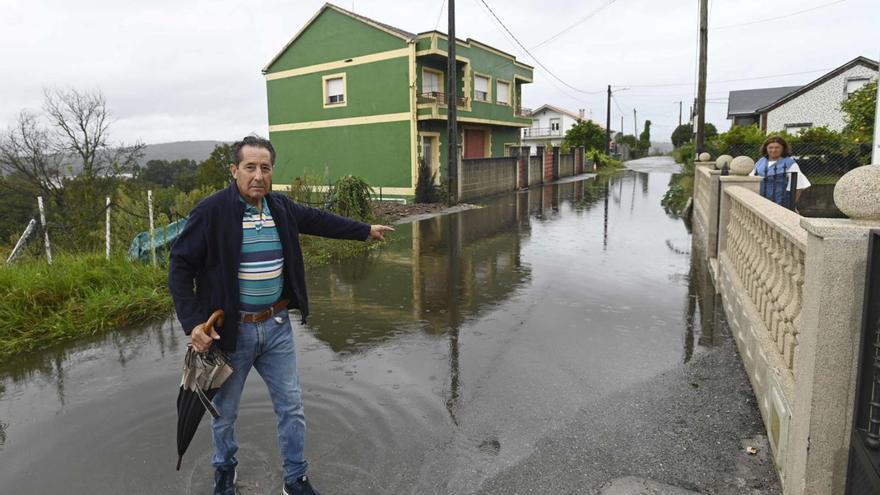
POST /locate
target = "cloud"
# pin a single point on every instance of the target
(191, 70)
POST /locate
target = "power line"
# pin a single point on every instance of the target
(569, 28)
(526, 50)
(439, 15)
(786, 16)
(729, 80)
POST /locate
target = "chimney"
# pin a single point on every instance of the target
(581, 113)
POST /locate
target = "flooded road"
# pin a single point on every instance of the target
(443, 364)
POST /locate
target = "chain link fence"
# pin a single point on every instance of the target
(822, 163)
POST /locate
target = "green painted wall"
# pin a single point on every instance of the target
(335, 36)
(371, 89)
(378, 152)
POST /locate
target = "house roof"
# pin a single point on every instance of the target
(405, 35)
(557, 109)
(748, 101)
(400, 33)
(864, 61)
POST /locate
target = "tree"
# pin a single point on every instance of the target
(859, 110)
(82, 122)
(684, 133)
(179, 173)
(25, 151)
(645, 137)
(629, 140)
(587, 134)
(214, 171)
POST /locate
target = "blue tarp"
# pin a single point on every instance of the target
(164, 237)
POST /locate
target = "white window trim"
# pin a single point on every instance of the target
(846, 82)
(509, 101)
(488, 87)
(440, 77)
(324, 80)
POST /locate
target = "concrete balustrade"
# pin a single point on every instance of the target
(793, 293)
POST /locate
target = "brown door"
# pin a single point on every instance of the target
(474, 144)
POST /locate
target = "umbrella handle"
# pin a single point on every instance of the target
(217, 318)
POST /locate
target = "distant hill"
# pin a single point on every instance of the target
(190, 150)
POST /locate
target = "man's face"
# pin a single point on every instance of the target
(253, 174)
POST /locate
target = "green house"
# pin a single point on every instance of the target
(350, 95)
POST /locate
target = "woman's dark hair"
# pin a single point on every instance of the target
(255, 141)
(786, 151)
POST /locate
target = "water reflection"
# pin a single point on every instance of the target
(465, 339)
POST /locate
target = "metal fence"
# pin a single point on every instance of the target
(820, 162)
(863, 477)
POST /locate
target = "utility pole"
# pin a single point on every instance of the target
(452, 107)
(701, 84)
(679, 113)
(621, 124)
(635, 124)
(608, 124)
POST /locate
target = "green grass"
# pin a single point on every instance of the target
(79, 295)
(85, 294)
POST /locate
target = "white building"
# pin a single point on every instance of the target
(812, 105)
(549, 125)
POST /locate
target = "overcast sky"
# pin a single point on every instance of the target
(187, 70)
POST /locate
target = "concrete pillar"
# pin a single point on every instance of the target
(547, 175)
(541, 153)
(825, 377)
(554, 167)
(579, 160)
(522, 168)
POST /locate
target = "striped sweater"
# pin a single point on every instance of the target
(260, 271)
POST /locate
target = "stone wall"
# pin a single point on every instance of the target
(481, 177)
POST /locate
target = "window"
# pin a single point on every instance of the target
(432, 81)
(855, 83)
(794, 128)
(481, 88)
(503, 95)
(334, 90)
(554, 124)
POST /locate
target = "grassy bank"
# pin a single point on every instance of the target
(41, 305)
(681, 185)
(86, 294)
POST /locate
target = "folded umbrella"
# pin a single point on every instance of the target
(203, 374)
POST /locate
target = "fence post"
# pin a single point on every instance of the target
(523, 167)
(107, 229)
(45, 229)
(554, 172)
(152, 227)
(21, 240)
(540, 153)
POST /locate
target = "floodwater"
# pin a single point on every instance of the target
(430, 367)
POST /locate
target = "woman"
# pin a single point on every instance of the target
(776, 167)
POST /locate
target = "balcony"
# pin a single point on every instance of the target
(438, 98)
(522, 112)
(541, 132)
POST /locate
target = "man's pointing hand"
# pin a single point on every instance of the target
(377, 232)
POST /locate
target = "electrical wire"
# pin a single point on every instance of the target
(439, 15)
(776, 18)
(538, 62)
(770, 76)
(569, 28)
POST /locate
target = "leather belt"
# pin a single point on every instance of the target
(265, 314)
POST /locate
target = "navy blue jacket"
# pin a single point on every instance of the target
(208, 252)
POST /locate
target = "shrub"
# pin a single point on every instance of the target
(426, 191)
(351, 197)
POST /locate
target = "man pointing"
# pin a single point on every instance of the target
(241, 248)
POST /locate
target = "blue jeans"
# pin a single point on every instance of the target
(268, 347)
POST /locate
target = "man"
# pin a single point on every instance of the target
(241, 248)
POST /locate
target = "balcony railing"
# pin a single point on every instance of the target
(440, 98)
(523, 112)
(535, 132)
